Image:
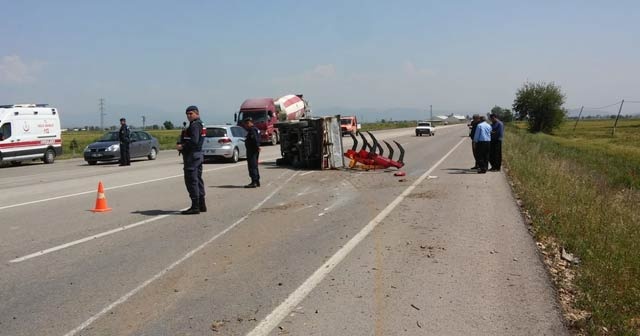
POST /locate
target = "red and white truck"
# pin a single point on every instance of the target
(266, 112)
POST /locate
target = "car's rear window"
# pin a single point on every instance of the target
(216, 132)
(423, 124)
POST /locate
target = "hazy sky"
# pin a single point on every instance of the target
(154, 58)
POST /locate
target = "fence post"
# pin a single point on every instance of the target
(579, 114)
(613, 132)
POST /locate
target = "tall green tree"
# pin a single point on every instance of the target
(502, 113)
(541, 104)
(168, 125)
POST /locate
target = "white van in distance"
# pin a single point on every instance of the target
(29, 132)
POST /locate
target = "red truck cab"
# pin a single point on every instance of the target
(266, 112)
(264, 115)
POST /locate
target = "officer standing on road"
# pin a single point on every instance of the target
(473, 125)
(124, 136)
(190, 145)
(252, 143)
(482, 140)
(497, 135)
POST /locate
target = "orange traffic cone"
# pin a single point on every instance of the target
(101, 201)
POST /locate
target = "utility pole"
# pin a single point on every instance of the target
(430, 113)
(613, 132)
(144, 119)
(579, 114)
(102, 114)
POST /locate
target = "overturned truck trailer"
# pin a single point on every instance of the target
(314, 143)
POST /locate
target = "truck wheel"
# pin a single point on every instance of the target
(49, 156)
(153, 154)
(235, 157)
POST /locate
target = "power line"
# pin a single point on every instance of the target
(603, 107)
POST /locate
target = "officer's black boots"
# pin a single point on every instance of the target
(191, 211)
(253, 184)
(203, 205)
(194, 209)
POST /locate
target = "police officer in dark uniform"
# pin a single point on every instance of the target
(190, 145)
(124, 136)
(474, 124)
(252, 143)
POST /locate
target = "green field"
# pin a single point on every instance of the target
(582, 187)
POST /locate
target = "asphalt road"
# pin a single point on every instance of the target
(442, 251)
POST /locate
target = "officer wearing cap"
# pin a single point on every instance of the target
(473, 126)
(252, 143)
(190, 145)
(124, 136)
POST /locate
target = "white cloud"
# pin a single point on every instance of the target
(14, 70)
(411, 69)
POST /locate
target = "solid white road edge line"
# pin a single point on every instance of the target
(126, 297)
(112, 188)
(277, 315)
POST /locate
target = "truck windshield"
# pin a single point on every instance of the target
(345, 121)
(257, 116)
(424, 124)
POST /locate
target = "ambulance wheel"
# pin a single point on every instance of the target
(49, 156)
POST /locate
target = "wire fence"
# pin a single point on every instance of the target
(620, 109)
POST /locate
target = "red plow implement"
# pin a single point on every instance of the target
(371, 157)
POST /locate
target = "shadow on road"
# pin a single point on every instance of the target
(228, 186)
(461, 171)
(156, 212)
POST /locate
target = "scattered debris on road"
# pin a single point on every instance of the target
(216, 325)
(414, 307)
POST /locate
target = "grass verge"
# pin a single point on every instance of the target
(575, 194)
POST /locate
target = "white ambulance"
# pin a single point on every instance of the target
(29, 132)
